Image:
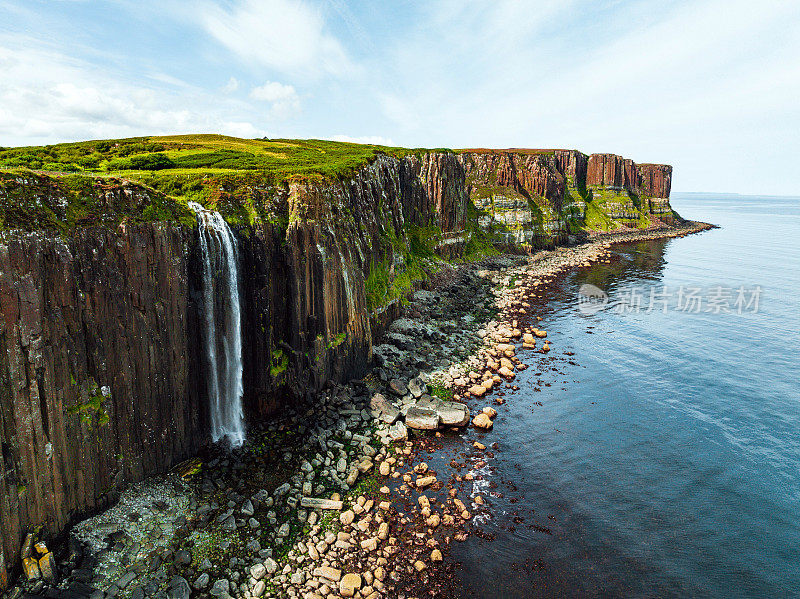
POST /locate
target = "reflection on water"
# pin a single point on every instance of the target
(663, 457)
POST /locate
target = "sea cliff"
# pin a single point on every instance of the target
(100, 350)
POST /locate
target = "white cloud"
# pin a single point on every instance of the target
(48, 97)
(375, 140)
(231, 86)
(283, 99)
(287, 35)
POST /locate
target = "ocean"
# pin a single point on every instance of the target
(655, 452)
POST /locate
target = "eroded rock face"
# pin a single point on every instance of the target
(610, 170)
(656, 180)
(538, 198)
(97, 345)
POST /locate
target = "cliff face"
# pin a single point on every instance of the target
(101, 356)
(96, 349)
(541, 197)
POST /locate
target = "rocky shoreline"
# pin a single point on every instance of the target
(334, 498)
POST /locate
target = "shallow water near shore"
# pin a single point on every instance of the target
(663, 457)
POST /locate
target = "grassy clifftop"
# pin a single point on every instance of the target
(177, 155)
(174, 168)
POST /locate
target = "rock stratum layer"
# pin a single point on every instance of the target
(539, 198)
(100, 350)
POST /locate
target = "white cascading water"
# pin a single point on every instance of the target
(223, 326)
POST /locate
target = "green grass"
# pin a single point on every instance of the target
(181, 155)
(228, 174)
(31, 201)
(440, 391)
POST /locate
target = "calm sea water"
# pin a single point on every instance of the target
(663, 458)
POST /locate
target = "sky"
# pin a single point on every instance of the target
(709, 86)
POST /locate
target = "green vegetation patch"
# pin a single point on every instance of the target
(232, 175)
(31, 201)
(278, 160)
(279, 363)
(93, 412)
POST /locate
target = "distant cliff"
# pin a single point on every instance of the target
(541, 198)
(100, 359)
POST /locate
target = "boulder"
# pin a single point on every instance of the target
(349, 584)
(258, 571)
(482, 421)
(328, 572)
(425, 481)
(506, 372)
(30, 566)
(271, 565)
(477, 390)
(398, 387)
(422, 418)
(179, 588)
(453, 413)
(202, 581)
(398, 432)
(384, 409)
(417, 387)
(320, 504)
(47, 566)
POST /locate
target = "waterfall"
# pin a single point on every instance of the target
(222, 325)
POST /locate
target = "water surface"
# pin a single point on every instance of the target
(663, 458)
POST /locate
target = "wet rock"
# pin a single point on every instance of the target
(482, 421)
(422, 418)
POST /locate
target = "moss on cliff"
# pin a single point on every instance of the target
(32, 201)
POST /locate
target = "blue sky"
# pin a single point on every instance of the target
(709, 86)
